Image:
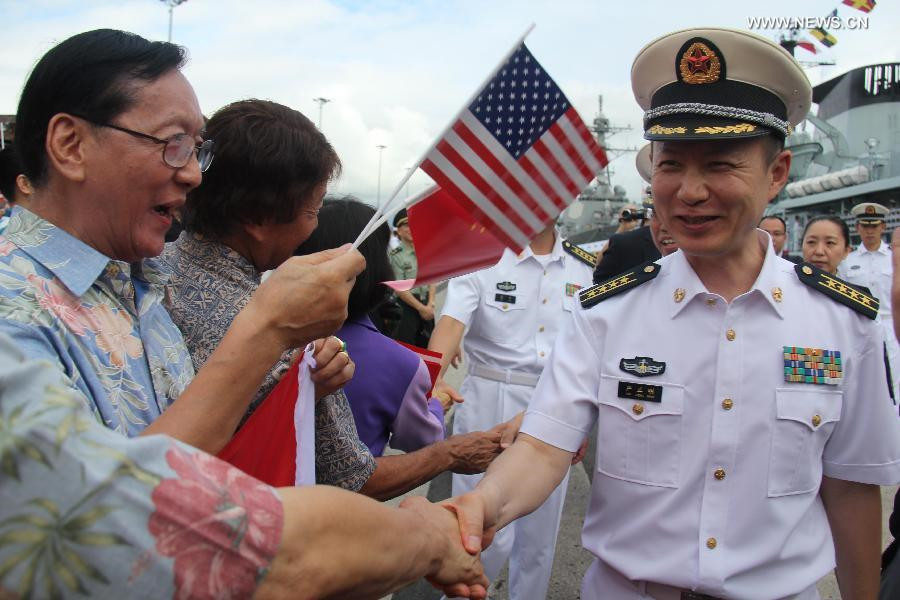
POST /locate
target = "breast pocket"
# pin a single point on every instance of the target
(804, 420)
(637, 440)
(504, 322)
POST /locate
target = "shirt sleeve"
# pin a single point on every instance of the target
(85, 511)
(462, 298)
(865, 444)
(563, 408)
(416, 425)
(342, 459)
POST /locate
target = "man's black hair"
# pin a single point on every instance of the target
(96, 75)
(340, 222)
(774, 217)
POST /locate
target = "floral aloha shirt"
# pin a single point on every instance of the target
(87, 512)
(102, 322)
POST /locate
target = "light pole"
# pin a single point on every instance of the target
(322, 102)
(381, 148)
(172, 4)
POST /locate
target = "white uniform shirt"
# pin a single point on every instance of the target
(873, 270)
(512, 310)
(715, 487)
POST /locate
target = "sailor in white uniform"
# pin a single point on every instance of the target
(513, 312)
(744, 422)
(870, 266)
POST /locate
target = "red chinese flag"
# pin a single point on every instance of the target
(266, 446)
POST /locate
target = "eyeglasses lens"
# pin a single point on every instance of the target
(180, 148)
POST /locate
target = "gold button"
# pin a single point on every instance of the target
(542, 354)
(711, 301)
(816, 420)
(727, 403)
(806, 270)
(711, 543)
(637, 409)
(777, 294)
(544, 301)
(730, 335)
(541, 329)
(649, 269)
(679, 295)
(719, 474)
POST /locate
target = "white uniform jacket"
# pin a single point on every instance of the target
(714, 486)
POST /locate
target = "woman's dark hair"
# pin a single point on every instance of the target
(269, 160)
(845, 231)
(95, 75)
(340, 221)
(10, 169)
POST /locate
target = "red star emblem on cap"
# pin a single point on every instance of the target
(698, 61)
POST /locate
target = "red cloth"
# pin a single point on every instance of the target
(431, 359)
(266, 446)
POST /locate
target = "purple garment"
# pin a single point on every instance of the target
(388, 392)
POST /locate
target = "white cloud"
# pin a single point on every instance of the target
(396, 72)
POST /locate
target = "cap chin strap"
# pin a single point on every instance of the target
(728, 112)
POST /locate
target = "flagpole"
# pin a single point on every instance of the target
(379, 211)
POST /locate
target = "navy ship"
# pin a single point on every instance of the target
(846, 152)
(594, 214)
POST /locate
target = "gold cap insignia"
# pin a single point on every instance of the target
(699, 64)
(870, 210)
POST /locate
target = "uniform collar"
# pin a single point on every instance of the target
(770, 283)
(556, 254)
(884, 248)
(74, 263)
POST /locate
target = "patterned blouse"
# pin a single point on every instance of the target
(209, 286)
(87, 512)
(100, 321)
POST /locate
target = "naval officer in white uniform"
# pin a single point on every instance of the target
(744, 422)
(870, 266)
(513, 312)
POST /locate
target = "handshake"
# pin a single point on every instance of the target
(459, 527)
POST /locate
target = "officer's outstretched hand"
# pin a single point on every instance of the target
(476, 521)
(895, 284)
(508, 430)
(459, 572)
(446, 393)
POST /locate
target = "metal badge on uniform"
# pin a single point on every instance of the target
(812, 365)
(505, 298)
(642, 366)
(855, 267)
(572, 289)
(640, 391)
(506, 286)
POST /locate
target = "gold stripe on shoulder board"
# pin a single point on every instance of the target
(606, 289)
(580, 253)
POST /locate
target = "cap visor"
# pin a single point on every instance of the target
(690, 127)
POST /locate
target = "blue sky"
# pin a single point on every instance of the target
(397, 72)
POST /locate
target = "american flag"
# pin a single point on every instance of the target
(518, 154)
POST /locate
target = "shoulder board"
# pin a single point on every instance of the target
(395, 250)
(857, 298)
(627, 280)
(580, 253)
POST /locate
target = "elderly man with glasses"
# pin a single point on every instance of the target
(108, 130)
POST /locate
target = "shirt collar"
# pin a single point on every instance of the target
(74, 263)
(217, 256)
(770, 283)
(556, 254)
(884, 248)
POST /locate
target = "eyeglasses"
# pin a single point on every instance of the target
(177, 150)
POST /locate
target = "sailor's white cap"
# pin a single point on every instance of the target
(643, 163)
(869, 213)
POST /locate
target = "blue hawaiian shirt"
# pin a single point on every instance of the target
(101, 321)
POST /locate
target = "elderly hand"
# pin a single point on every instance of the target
(459, 572)
(306, 297)
(446, 393)
(333, 367)
(508, 430)
(473, 452)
